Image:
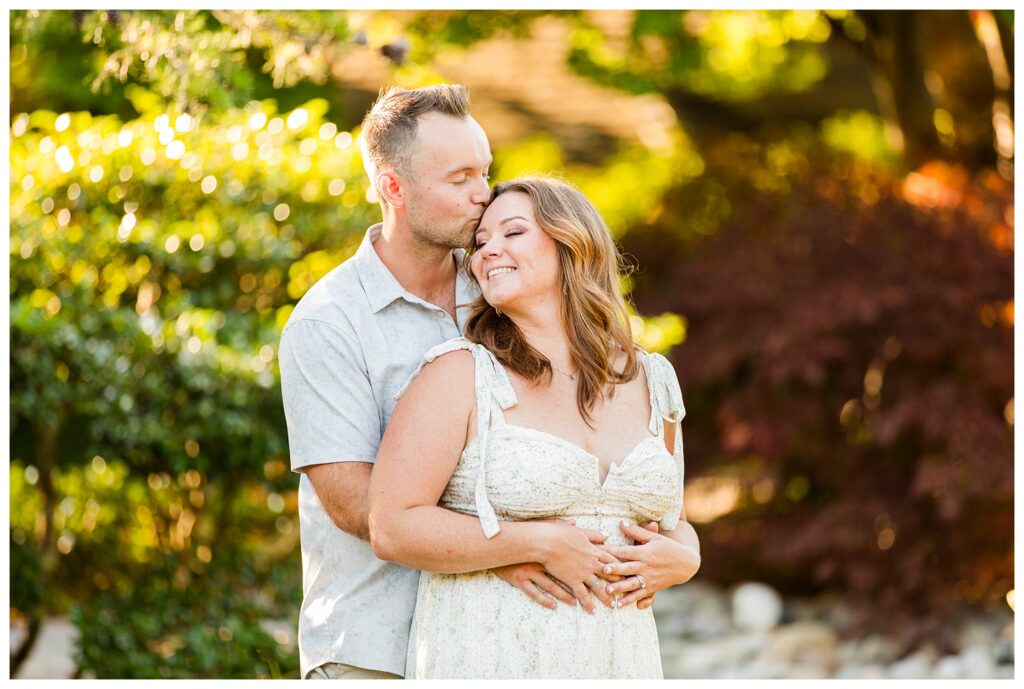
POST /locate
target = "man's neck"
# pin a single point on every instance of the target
(421, 269)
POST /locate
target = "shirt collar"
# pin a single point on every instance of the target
(466, 290)
(380, 285)
(382, 288)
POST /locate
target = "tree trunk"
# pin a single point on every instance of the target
(46, 462)
(894, 47)
(35, 623)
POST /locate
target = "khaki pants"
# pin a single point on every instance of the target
(341, 671)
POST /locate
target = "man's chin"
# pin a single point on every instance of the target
(467, 233)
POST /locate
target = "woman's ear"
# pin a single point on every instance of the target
(389, 189)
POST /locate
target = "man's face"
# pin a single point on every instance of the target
(446, 189)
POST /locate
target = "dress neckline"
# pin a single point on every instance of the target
(641, 355)
(614, 467)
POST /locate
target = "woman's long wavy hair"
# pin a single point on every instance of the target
(593, 309)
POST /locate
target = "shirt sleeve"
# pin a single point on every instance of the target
(329, 405)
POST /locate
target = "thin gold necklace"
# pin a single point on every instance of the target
(567, 375)
(570, 376)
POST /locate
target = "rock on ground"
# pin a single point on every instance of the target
(756, 607)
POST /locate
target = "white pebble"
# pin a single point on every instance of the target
(756, 606)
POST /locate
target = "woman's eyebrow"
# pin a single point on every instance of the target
(506, 220)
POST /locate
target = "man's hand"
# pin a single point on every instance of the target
(532, 579)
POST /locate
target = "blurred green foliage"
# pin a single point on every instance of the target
(153, 264)
(859, 133)
(155, 631)
(625, 189)
(730, 54)
(191, 58)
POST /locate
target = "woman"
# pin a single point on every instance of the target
(545, 411)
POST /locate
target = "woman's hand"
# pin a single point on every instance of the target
(571, 556)
(656, 562)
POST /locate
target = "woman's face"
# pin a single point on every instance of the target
(516, 262)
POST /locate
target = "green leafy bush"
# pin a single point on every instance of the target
(159, 631)
(154, 262)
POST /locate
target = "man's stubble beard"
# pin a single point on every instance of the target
(431, 232)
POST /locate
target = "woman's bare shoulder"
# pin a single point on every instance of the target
(439, 401)
(451, 371)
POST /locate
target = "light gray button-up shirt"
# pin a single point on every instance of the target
(350, 344)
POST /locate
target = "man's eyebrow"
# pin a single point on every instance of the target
(468, 168)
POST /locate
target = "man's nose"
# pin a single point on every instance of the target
(481, 192)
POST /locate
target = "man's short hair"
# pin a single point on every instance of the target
(389, 129)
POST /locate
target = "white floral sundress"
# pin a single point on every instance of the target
(477, 626)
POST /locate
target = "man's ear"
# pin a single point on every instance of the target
(389, 189)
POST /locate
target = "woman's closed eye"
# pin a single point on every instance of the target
(510, 232)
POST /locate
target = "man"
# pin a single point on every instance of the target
(350, 344)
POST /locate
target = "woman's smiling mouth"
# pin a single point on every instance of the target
(499, 271)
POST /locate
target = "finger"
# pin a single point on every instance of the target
(652, 526)
(605, 557)
(633, 597)
(598, 590)
(623, 569)
(565, 587)
(537, 595)
(596, 536)
(625, 586)
(620, 552)
(645, 603)
(636, 533)
(583, 596)
(553, 588)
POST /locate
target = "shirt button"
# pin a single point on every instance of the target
(441, 314)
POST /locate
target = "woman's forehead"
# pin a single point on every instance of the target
(508, 205)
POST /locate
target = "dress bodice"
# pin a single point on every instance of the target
(512, 472)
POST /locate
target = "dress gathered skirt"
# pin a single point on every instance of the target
(477, 626)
